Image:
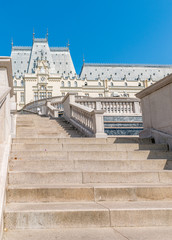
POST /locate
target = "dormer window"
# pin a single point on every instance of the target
(85, 84)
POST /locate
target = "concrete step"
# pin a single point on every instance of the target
(67, 234)
(90, 214)
(90, 155)
(62, 177)
(79, 140)
(60, 140)
(80, 192)
(86, 147)
(87, 165)
(53, 215)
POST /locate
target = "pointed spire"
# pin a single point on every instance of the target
(68, 44)
(12, 42)
(33, 34)
(47, 34)
(83, 59)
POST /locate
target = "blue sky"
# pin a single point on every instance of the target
(111, 31)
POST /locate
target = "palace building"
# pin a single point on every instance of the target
(42, 72)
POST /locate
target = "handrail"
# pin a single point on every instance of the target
(88, 121)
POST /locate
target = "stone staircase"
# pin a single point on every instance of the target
(62, 187)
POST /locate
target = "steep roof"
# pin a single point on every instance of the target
(94, 71)
(24, 58)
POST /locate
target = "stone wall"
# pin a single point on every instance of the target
(156, 104)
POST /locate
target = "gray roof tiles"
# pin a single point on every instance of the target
(24, 58)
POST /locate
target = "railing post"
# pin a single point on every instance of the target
(98, 106)
(68, 99)
(136, 107)
(98, 123)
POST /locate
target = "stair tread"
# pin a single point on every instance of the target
(116, 233)
(89, 206)
(66, 234)
(90, 185)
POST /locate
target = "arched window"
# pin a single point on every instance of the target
(15, 83)
(99, 84)
(69, 84)
(22, 83)
(75, 84)
(85, 83)
(62, 84)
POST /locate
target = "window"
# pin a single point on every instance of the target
(22, 97)
(60, 63)
(87, 94)
(139, 84)
(128, 73)
(66, 63)
(69, 84)
(141, 74)
(85, 83)
(57, 71)
(63, 94)
(111, 84)
(100, 95)
(154, 74)
(43, 87)
(62, 84)
(22, 83)
(90, 73)
(42, 95)
(102, 73)
(49, 94)
(21, 61)
(35, 96)
(125, 83)
(99, 83)
(115, 73)
(15, 83)
(75, 84)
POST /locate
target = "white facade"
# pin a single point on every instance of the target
(41, 71)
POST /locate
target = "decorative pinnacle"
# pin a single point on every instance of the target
(68, 44)
(47, 34)
(11, 42)
(33, 34)
(83, 59)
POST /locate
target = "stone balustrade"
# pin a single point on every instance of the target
(115, 106)
(8, 126)
(87, 120)
(156, 103)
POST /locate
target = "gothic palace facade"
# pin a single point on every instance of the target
(41, 72)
